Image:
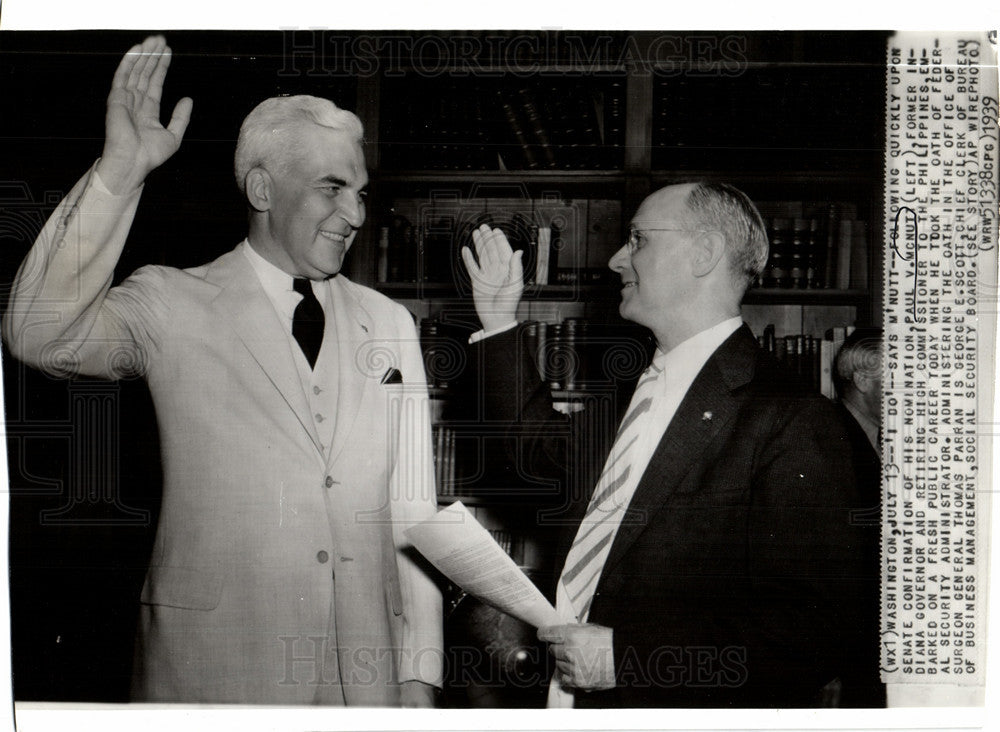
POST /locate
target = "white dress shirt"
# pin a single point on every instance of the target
(319, 383)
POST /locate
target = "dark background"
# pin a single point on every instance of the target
(83, 454)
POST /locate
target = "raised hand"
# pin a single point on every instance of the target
(497, 278)
(136, 142)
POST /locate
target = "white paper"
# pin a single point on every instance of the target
(455, 543)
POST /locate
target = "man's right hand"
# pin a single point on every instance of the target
(497, 278)
(135, 141)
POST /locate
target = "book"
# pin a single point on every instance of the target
(538, 135)
(827, 351)
(543, 254)
(798, 254)
(554, 368)
(859, 255)
(614, 125)
(382, 268)
(815, 254)
(604, 238)
(830, 253)
(541, 349)
(812, 358)
(521, 151)
(776, 269)
(844, 245)
(567, 220)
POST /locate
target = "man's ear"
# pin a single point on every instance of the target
(707, 250)
(260, 189)
(862, 381)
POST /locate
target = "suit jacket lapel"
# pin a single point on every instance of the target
(245, 305)
(706, 410)
(356, 361)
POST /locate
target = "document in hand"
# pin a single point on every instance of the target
(455, 543)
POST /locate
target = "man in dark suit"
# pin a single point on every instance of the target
(710, 558)
(858, 378)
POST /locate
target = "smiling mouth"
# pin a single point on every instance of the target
(339, 238)
(626, 285)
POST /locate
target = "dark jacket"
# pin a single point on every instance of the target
(739, 576)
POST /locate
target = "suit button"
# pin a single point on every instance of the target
(316, 390)
(322, 557)
(329, 481)
(319, 417)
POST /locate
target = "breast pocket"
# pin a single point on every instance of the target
(182, 587)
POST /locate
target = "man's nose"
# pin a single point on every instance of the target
(620, 261)
(353, 212)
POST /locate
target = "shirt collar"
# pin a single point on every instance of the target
(275, 281)
(691, 355)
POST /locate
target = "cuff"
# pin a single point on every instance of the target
(483, 334)
(100, 187)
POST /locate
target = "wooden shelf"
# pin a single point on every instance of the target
(789, 296)
(656, 177)
(447, 292)
(500, 176)
(574, 293)
(765, 177)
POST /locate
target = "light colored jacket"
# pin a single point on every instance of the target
(279, 572)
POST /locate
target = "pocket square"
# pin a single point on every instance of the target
(392, 376)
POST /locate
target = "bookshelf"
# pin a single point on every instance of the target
(790, 118)
(793, 119)
(557, 141)
(546, 137)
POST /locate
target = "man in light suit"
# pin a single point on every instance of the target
(709, 558)
(295, 445)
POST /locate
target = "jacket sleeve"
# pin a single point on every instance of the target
(813, 564)
(502, 394)
(806, 587)
(413, 498)
(63, 317)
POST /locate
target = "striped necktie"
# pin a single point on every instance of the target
(611, 497)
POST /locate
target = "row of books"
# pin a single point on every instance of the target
(444, 459)
(570, 241)
(565, 241)
(510, 541)
(804, 116)
(580, 354)
(816, 253)
(812, 358)
(504, 124)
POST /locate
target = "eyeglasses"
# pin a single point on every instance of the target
(635, 236)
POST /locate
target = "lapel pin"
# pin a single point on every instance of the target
(706, 417)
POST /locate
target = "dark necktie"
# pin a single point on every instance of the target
(308, 321)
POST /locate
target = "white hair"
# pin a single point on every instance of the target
(726, 208)
(861, 354)
(268, 134)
